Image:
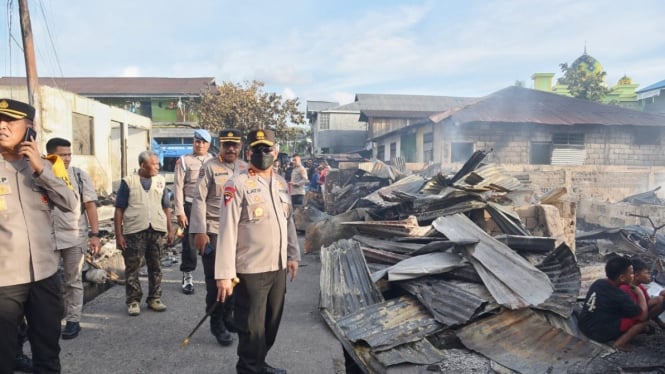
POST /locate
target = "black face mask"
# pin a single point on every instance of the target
(262, 159)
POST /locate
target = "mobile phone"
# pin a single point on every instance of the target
(30, 135)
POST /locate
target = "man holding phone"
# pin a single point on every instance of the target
(29, 284)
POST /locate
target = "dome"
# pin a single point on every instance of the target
(625, 80)
(587, 64)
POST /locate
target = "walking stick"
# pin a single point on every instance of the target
(184, 343)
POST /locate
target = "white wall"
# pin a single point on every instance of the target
(56, 121)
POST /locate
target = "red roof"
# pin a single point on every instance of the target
(108, 87)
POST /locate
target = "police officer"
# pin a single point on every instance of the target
(28, 281)
(188, 169)
(204, 222)
(257, 242)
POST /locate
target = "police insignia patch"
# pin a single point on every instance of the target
(229, 192)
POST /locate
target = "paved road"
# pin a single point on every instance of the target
(113, 342)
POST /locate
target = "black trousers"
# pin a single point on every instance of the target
(188, 254)
(41, 303)
(222, 312)
(259, 303)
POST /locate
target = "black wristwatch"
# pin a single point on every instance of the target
(93, 234)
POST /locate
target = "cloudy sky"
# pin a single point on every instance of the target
(331, 50)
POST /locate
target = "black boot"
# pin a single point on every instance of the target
(22, 363)
(219, 331)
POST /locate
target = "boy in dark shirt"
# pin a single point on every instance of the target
(643, 276)
(608, 312)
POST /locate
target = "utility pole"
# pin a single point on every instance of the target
(30, 61)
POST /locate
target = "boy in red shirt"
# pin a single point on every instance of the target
(643, 276)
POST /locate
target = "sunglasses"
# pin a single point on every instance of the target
(263, 149)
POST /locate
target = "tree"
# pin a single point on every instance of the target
(585, 79)
(247, 107)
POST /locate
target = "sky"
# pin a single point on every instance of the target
(332, 50)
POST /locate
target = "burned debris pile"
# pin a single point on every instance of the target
(440, 271)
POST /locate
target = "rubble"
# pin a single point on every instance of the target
(469, 265)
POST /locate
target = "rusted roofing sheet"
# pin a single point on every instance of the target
(418, 266)
(406, 227)
(523, 341)
(589, 274)
(383, 257)
(544, 108)
(509, 222)
(421, 352)
(512, 280)
(537, 244)
(388, 245)
(345, 282)
(429, 216)
(561, 267)
(409, 184)
(388, 324)
(122, 86)
(448, 303)
(494, 177)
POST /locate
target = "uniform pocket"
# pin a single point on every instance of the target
(258, 212)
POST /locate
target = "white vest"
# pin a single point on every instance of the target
(144, 208)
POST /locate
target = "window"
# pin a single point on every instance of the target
(568, 139)
(646, 136)
(541, 153)
(381, 152)
(568, 149)
(460, 152)
(324, 121)
(393, 150)
(428, 147)
(83, 134)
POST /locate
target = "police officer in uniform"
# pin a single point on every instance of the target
(204, 220)
(188, 169)
(29, 284)
(257, 242)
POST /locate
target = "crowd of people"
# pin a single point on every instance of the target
(223, 205)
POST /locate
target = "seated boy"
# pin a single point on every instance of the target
(643, 276)
(608, 312)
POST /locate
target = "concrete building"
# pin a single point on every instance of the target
(525, 126)
(106, 140)
(652, 98)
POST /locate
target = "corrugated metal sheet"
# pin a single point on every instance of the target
(448, 303)
(536, 244)
(590, 274)
(388, 245)
(508, 221)
(512, 280)
(406, 227)
(561, 267)
(568, 156)
(421, 352)
(494, 177)
(527, 343)
(388, 324)
(381, 256)
(345, 282)
(461, 207)
(409, 184)
(418, 266)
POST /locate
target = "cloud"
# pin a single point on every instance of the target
(130, 71)
(333, 50)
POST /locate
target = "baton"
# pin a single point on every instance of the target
(184, 343)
